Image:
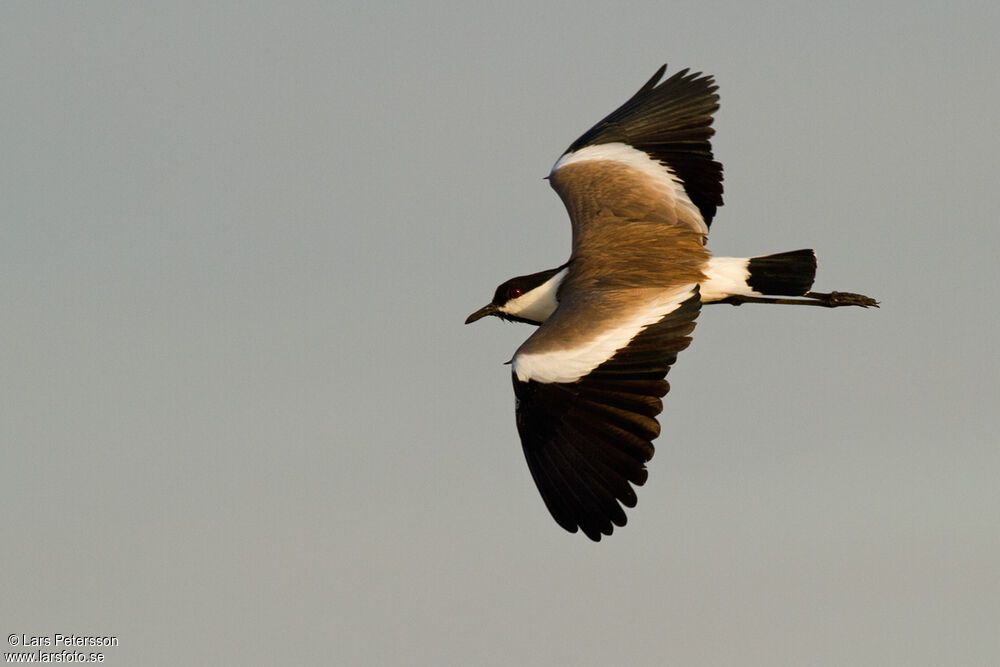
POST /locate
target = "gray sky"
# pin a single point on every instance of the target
(242, 421)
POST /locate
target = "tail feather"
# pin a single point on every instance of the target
(783, 274)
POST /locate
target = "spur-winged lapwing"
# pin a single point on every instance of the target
(641, 188)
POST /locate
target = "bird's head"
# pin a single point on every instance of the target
(529, 299)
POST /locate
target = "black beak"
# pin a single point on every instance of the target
(488, 309)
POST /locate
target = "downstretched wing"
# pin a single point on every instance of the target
(586, 413)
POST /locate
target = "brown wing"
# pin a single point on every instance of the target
(629, 229)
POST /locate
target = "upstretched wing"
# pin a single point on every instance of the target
(670, 123)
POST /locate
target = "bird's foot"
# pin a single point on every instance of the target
(836, 299)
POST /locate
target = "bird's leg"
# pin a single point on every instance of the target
(825, 299)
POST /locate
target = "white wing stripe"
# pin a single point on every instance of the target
(659, 174)
(571, 364)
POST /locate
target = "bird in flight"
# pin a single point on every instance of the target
(641, 188)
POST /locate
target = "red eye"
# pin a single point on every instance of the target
(514, 292)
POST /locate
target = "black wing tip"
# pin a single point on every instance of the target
(603, 531)
(587, 472)
(685, 73)
(671, 121)
(686, 76)
(654, 80)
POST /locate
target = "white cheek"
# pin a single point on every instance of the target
(538, 304)
(532, 306)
